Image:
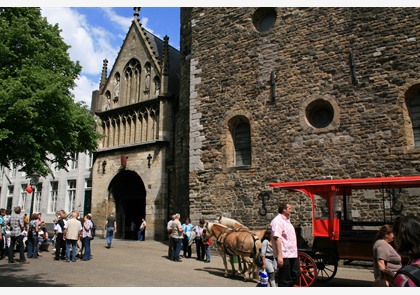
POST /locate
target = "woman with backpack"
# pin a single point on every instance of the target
(407, 241)
(268, 261)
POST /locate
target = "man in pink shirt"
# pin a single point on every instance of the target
(283, 238)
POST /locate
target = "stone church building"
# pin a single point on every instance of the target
(255, 96)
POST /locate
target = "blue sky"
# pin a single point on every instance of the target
(96, 33)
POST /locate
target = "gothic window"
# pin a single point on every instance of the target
(132, 81)
(156, 82)
(108, 100)
(117, 79)
(147, 77)
(413, 103)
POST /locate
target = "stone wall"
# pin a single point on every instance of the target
(360, 61)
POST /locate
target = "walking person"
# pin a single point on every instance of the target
(176, 237)
(140, 235)
(111, 228)
(198, 229)
(87, 236)
(72, 232)
(269, 264)
(285, 247)
(17, 226)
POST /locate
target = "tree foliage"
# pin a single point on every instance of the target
(38, 114)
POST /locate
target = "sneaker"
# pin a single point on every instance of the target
(207, 261)
(24, 262)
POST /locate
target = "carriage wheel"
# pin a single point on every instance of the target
(326, 267)
(308, 270)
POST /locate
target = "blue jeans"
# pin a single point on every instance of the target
(109, 235)
(73, 244)
(207, 250)
(86, 256)
(33, 246)
(140, 235)
(177, 248)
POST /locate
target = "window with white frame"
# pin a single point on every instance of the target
(52, 206)
(38, 198)
(89, 160)
(73, 161)
(23, 196)
(71, 195)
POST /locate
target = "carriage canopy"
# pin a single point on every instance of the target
(331, 189)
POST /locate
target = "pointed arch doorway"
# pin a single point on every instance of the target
(127, 189)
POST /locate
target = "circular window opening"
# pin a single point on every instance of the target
(264, 18)
(320, 113)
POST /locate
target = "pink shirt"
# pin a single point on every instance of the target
(282, 228)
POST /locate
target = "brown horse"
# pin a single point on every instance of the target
(237, 226)
(243, 244)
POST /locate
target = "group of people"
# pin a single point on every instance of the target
(72, 236)
(280, 254)
(183, 236)
(18, 232)
(392, 242)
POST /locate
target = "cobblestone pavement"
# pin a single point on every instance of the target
(140, 264)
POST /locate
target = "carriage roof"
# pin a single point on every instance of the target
(340, 185)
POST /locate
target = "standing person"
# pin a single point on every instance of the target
(176, 237)
(140, 235)
(111, 228)
(407, 241)
(60, 243)
(17, 225)
(207, 247)
(87, 236)
(186, 245)
(267, 255)
(386, 260)
(198, 229)
(72, 231)
(285, 247)
(2, 234)
(169, 230)
(33, 230)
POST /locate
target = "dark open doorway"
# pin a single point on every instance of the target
(129, 194)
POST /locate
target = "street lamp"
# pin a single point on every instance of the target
(34, 181)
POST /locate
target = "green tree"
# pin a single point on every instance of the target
(38, 114)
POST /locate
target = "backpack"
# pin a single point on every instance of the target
(412, 271)
(258, 259)
(93, 230)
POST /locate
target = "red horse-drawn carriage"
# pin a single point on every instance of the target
(336, 234)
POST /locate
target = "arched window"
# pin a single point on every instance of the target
(413, 103)
(242, 142)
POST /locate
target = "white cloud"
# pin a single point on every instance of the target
(89, 45)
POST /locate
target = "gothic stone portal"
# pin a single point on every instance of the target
(129, 193)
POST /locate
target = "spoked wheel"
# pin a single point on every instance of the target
(308, 270)
(326, 267)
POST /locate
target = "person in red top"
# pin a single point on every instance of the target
(207, 247)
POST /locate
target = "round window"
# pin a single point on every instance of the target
(320, 113)
(264, 18)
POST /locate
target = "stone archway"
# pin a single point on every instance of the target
(129, 193)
